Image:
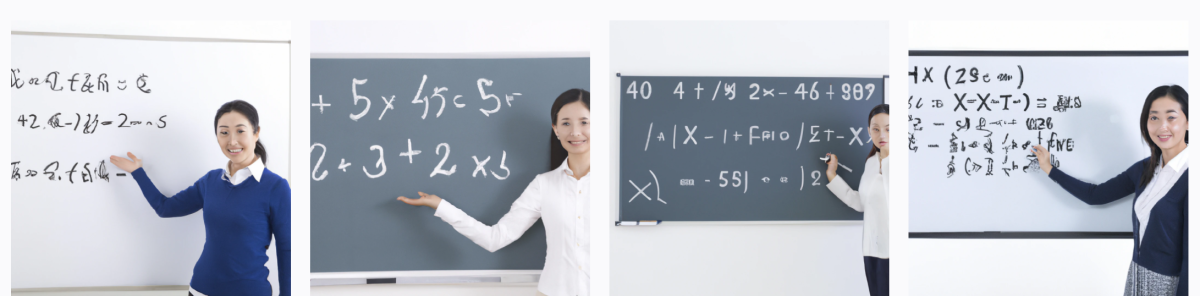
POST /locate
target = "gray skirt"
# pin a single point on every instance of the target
(1143, 282)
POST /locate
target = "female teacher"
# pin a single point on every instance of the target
(1159, 187)
(244, 204)
(871, 199)
(559, 197)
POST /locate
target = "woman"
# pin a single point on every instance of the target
(871, 199)
(244, 203)
(559, 197)
(1159, 188)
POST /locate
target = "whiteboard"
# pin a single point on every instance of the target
(1105, 96)
(103, 232)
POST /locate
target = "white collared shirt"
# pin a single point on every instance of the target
(1164, 178)
(871, 199)
(254, 170)
(562, 203)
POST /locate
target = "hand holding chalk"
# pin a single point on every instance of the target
(832, 160)
(428, 200)
(1043, 157)
(128, 165)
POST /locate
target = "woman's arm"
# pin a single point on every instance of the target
(1120, 186)
(281, 226)
(525, 211)
(839, 186)
(181, 204)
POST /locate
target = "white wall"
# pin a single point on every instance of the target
(443, 39)
(718, 258)
(1019, 266)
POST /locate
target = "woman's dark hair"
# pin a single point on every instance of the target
(1166, 91)
(880, 109)
(251, 114)
(557, 153)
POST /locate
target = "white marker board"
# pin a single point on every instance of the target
(1092, 103)
(103, 232)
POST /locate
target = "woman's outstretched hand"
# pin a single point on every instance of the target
(831, 171)
(128, 165)
(428, 200)
(1043, 156)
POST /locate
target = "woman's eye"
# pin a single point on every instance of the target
(224, 133)
(566, 124)
(584, 122)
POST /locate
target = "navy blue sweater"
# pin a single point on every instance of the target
(1164, 248)
(238, 224)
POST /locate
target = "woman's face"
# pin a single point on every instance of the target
(236, 137)
(879, 131)
(573, 129)
(1166, 124)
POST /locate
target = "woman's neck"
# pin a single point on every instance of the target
(234, 167)
(883, 154)
(580, 164)
(1170, 154)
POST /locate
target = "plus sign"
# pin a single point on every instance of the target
(321, 103)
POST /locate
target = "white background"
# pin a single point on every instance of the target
(724, 258)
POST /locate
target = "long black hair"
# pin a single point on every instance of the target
(1166, 91)
(251, 114)
(880, 109)
(558, 154)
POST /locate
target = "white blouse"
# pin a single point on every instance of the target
(871, 199)
(562, 203)
(1164, 178)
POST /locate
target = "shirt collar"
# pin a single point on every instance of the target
(256, 170)
(566, 169)
(1179, 161)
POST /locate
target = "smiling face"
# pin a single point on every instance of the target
(879, 130)
(237, 138)
(573, 129)
(1167, 124)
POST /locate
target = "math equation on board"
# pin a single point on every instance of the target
(754, 137)
(55, 171)
(984, 120)
(485, 101)
(432, 121)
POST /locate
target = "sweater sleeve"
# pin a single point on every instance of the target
(1183, 273)
(1120, 186)
(281, 227)
(181, 204)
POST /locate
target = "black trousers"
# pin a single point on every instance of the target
(877, 275)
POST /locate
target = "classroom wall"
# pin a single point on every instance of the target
(1022, 266)
(445, 39)
(724, 258)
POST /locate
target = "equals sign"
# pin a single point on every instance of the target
(1041, 99)
(1041, 105)
(106, 122)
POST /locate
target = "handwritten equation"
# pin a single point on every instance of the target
(434, 95)
(985, 133)
(87, 123)
(77, 82)
(715, 138)
(54, 171)
(442, 150)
